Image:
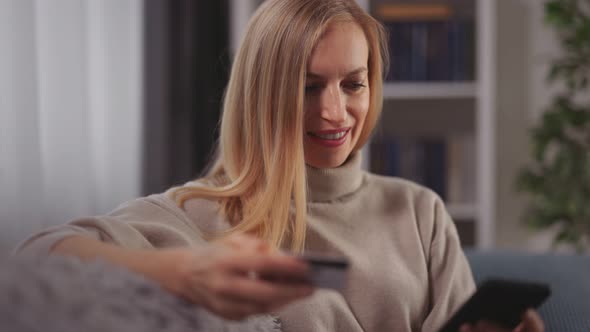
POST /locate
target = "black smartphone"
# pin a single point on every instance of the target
(327, 271)
(500, 301)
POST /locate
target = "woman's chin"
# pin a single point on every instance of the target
(326, 161)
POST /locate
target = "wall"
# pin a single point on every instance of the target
(70, 111)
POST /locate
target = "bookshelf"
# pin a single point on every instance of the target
(454, 106)
(423, 105)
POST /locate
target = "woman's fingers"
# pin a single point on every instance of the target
(466, 328)
(264, 292)
(486, 326)
(269, 266)
(235, 296)
(241, 276)
(266, 279)
(531, 322)
(481, 326)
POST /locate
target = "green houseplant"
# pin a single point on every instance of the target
(558, 179)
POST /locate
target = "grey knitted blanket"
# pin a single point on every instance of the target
(59, 294)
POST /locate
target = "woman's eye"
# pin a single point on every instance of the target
(355, 86)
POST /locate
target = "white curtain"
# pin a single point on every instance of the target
(70, 111)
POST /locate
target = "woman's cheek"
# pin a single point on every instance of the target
(359, 105)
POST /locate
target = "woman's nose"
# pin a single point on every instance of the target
(332, 105)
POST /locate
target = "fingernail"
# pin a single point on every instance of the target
(464, 328)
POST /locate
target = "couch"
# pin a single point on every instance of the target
(568, 307)
(62, 294)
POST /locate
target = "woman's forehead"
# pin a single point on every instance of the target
(342, 50)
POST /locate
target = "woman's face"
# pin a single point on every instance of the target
(336, 95)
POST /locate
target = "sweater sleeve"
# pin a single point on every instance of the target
(451, 281)
(150, 222)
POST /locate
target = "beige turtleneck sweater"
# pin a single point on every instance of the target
(408, 272)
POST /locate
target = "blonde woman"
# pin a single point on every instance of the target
(304, 95)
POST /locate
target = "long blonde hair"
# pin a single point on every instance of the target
(259, 172)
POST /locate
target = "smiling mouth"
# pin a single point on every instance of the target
(332, 135)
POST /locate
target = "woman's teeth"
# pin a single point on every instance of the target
(336, 136)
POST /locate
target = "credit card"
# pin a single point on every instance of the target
(327, 271)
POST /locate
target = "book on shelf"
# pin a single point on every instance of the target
(445, 165)
(438, 55)
(428, 43)
(407, 11)
(418, 51)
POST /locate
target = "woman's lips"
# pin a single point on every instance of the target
(330, 138)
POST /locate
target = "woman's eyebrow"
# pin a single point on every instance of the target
(358, 70)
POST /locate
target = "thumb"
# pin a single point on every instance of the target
(466, 328)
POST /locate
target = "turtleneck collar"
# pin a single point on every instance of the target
(327, 184)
